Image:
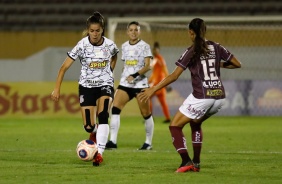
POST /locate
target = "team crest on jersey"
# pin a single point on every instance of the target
(105, 52)
(96, 64)
(131, 62)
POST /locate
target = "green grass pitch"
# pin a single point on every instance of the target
(235, 150)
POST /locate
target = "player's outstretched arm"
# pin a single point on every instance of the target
(55, 95)
(146, 94)
(231, 64)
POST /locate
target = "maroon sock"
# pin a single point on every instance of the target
(197, 137)
(179, 143)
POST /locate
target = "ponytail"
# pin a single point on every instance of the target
(200, 46)
(95, 18)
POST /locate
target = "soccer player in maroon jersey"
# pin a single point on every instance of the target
(204, 60)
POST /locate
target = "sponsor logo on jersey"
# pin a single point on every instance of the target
(212, 84)
(94, 82)
(214, 92)
(131, 62)
(96, 64)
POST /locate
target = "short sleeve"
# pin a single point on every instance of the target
(184, 59)
(74, 53)
(224, 53)
(114, 49)
(147, 51)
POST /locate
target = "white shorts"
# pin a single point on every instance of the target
(196, 108)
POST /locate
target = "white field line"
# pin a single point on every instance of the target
(146, 151)
(248, 152)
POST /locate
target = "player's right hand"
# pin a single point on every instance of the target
(55, 95)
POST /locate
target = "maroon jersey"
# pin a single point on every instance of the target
(205, 71)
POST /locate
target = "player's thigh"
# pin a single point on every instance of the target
(104, 104)
(180, 119)
(144, 107)
(88, 112)
(104, 99)
(215, 107)
(120, 99)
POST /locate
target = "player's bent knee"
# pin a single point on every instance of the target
(89, 128)
(115, 110)
(147, 117)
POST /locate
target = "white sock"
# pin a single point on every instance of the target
(102, 137)
(95, 127)
(149, 128)
(114, 126)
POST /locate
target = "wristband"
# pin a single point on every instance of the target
(135, 75)
(225, 64)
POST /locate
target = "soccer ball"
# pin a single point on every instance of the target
(86, 150)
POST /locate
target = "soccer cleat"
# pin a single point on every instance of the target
(196, 167)
(98, 159)
(92, 137)
(146, 147)
(189, 166)
(111, 145)
(166, 121)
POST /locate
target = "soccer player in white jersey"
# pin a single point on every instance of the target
(98, 56)
(136, 57)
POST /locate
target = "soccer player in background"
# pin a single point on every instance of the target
(136, 57)
(98, 56)
(203, 59)
(159, 72)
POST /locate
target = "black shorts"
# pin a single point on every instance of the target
(132, 92)
(89, 96)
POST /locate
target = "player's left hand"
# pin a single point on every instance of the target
(146, 94)
(130, 79)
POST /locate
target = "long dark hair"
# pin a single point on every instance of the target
(96, 18)
(200, 46)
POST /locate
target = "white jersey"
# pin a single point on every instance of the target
(133, 57)
(95, 62)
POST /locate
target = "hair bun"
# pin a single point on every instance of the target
(97, 13)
